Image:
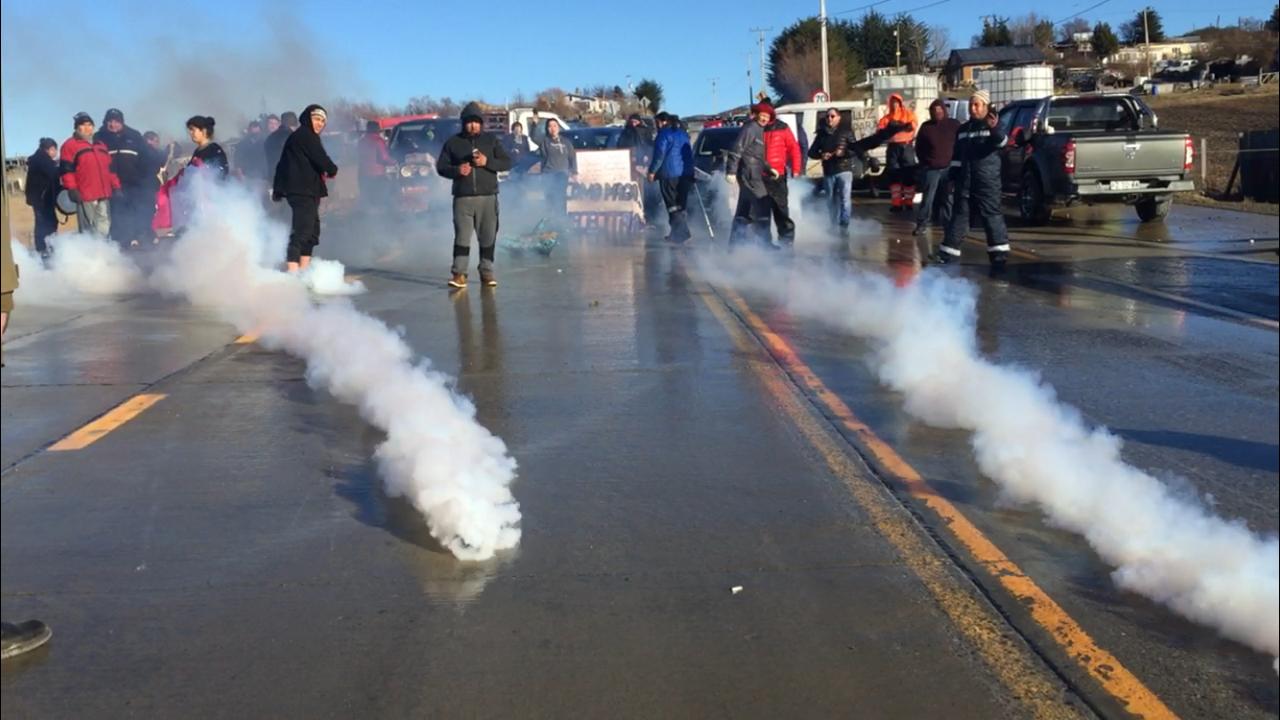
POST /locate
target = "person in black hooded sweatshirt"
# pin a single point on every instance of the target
(300, 179)
(42, 189)
(472, 159)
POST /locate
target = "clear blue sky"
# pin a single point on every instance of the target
(162, 61)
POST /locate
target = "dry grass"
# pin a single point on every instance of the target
(1218, 115)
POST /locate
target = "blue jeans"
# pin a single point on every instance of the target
(936, 202)
(839, 189)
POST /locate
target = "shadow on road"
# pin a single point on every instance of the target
(1241, 453)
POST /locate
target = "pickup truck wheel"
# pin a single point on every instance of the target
(1151, 209)
(1031, 205)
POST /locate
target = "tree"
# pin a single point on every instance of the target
(795, 61)
(1042, 36)
(650, 90)
(1273, 25)
(939, 45)
(995, 33)
(1134, 32)
(1032, 29)
(1234, 43)
(871, 38)
(1105, 43)
(913, 39)
(1073, 26)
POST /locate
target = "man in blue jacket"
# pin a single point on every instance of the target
(672, 168)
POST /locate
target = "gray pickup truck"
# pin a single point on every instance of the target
(1091, 149)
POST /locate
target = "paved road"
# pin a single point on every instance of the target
(229, 550)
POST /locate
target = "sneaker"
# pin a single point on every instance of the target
(489, 279)
(23, 638)
(458, 281)
(941, 258)
(998, 260)
(920, 230)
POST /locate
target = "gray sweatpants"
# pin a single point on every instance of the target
(478, 215)
(94, 217)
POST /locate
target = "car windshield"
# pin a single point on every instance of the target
(427, 136)
(1096, 113)
(711, 142)
(594, 139)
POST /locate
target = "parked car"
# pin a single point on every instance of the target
(1092, 149)
(709, 158)
(596, 138)
(414, 145)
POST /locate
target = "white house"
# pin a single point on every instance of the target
(592, 105)
(1179, 48)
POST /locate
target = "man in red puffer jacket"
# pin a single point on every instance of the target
(758, 163)
(781, 151)
(87, 176)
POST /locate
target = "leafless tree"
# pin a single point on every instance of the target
(937, 44)
(798, 73)
(1032, 29)
(1073, 27)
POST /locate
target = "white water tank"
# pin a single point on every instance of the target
(1020, 83)
(912, 88)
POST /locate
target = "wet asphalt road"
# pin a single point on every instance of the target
(230, 553)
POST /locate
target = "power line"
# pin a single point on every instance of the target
(1073, 17)
(924, 7)
(861, 7)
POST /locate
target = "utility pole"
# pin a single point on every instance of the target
(1146, 36)
(897, 50)
(751, 93)
(761, 32)
(715, 102)
(826, 70)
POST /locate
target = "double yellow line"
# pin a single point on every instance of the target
(1014, 669)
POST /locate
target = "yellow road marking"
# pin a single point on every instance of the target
(114, 418)
(1100, 664)
(247, 339)
(1020, 672)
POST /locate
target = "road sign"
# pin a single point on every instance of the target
(820, 97)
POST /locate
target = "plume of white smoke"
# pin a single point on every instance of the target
(1164, 545)
(82, 266)
(266, 61)
(328, 277)
(436, 454)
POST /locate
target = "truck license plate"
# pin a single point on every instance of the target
(1127, 184)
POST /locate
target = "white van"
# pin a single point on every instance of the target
(534, 122)
(803, 119)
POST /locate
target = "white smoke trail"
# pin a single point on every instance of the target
(1165, 546)
(328, 277)
(81, 266)
(453, 470)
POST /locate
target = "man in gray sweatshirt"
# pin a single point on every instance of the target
(559, 163)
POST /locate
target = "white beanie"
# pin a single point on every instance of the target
(984, 96)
